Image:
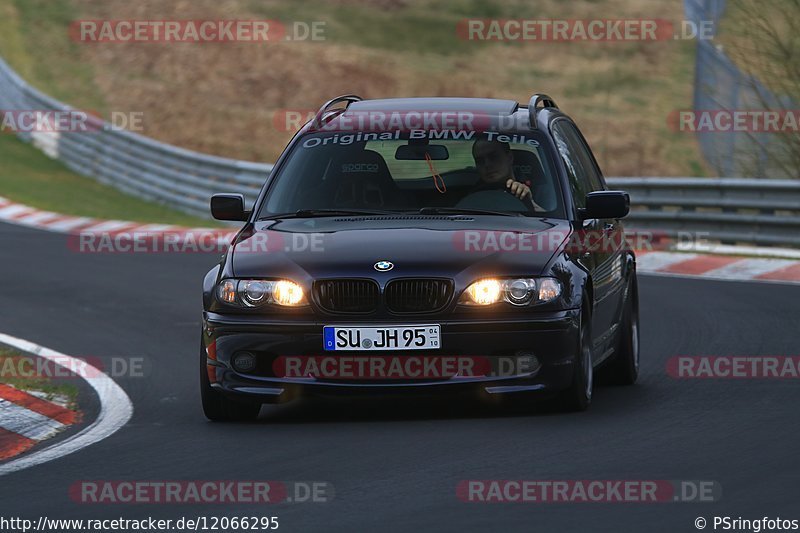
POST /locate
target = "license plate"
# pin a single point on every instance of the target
(417, 337)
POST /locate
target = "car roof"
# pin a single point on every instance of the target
(434, 104)
(539, 111)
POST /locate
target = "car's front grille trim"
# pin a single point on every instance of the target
(347, 295)
(418, 295)
(451, 218)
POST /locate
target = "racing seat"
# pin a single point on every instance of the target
(362, 180)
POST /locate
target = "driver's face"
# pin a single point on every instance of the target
(493, 162)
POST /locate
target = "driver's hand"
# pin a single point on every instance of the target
(518, 189)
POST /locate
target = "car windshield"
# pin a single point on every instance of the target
(417, 171)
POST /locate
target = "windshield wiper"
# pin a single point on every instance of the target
(311, 213)
(464, 211)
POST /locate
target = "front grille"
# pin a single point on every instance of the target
(347, 295)
(418, 295)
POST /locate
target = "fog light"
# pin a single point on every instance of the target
(244, 362)
(527, 363)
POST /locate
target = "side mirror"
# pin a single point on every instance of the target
(606, 204)
(228, 207)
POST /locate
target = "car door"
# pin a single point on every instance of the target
(597, 235)
(611, 240)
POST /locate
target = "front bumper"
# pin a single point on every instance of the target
(487, 356)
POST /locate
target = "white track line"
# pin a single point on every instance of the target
(116, 408)
(30, 424)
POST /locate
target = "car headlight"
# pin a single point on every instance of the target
(259, 292)
(515, 291)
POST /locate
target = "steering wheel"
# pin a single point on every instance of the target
(495, 200)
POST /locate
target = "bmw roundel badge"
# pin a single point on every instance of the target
(384, 266)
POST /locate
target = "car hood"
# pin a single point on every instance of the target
(450, 247)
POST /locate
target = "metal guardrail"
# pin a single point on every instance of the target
(763, 212)
(730, 210)
(131, 162)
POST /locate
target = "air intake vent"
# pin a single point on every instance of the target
(454, 218)
(418, 295)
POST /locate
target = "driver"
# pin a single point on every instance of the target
(495, 164)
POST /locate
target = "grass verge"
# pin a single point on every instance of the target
(29, 177)
(17, 369)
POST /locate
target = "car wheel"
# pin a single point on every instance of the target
(218, 407)
(578, 396)
(624, 368)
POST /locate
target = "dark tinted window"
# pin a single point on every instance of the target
(579, 181)
(390, 171)
(580, 148)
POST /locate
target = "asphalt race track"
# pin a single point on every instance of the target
(395, 464)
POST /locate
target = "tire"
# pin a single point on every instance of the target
(218, 407)
(578, 397)
(623, 369)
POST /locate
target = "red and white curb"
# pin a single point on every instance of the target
(23, 215)
(24, 417)
(718, 267)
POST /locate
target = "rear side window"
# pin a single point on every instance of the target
(579, 181)
(585, 157)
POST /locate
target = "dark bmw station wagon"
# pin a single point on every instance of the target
(435, 245)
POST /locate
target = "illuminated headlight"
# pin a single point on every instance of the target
(516, 291)
(287, 293)
(484, 292)
(258, 292)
